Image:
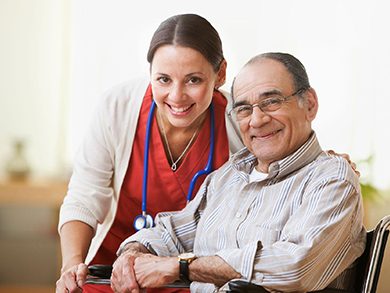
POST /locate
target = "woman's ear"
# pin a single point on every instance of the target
(221, 75)
(311, 104)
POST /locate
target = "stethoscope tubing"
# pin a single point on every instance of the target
(209, 165)
(145, 220)
(146, 158)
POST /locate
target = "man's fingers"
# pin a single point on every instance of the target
(123, 276)
(129, 271)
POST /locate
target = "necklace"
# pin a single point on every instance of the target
(174, 163)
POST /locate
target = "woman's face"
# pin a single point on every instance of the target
(183, 82)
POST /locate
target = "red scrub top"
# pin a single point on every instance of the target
(167, 190)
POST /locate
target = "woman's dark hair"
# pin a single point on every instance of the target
(189, 30)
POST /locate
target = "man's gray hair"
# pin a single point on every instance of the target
(292, 64)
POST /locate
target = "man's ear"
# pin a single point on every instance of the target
(311, 104)
(221, 75)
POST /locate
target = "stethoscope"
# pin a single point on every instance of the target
(145, 220)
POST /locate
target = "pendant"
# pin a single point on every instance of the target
(174, 167)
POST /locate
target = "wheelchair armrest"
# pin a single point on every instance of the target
(242, 286)
(101, 274)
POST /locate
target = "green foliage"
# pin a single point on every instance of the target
(369, 191)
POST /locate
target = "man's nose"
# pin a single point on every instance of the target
(258, 117)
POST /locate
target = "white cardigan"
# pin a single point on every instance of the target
(101, 162)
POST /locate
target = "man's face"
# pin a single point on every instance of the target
(274, 135)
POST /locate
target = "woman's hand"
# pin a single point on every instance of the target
(75, 239)
(345, 156)
(72, 279)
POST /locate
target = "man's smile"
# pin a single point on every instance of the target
(266, 135)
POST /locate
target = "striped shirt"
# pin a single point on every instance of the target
(295, 230)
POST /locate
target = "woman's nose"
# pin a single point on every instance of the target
(177, 92)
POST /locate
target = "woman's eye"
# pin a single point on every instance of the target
(194, 80)
(163, 79)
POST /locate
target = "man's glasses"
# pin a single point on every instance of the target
(270, 104)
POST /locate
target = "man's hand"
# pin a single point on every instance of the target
(123, 278)
(153, 271)
(133, 272)
(72, 279)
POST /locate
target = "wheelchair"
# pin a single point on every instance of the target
(367, 273)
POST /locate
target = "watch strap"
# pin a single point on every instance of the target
(184, 271)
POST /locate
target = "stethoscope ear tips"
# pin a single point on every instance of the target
(143, 221)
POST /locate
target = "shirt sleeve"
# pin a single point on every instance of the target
(90, 189)
(174, 233)
(241, 259)
(319, 241)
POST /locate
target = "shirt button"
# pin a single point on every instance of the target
(238, 215)
(259, 276)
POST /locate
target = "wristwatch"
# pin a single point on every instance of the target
(184, 260)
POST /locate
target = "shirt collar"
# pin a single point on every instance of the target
(244, 161)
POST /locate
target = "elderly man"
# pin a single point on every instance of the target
(280, 213)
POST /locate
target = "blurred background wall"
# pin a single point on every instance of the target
(58, 56)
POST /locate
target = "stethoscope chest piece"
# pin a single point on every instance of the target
(143, 221)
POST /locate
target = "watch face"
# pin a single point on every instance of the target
(186, 256)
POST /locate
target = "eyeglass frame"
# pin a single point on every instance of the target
(281, 99)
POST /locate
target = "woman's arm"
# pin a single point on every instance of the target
(75, 240)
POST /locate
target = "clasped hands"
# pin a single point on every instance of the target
(133, 271)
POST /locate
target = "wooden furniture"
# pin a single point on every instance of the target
(36, 192)
(29, 242)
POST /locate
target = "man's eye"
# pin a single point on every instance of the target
(243, 109)
(271, 102)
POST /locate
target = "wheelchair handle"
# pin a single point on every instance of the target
(100, 271)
